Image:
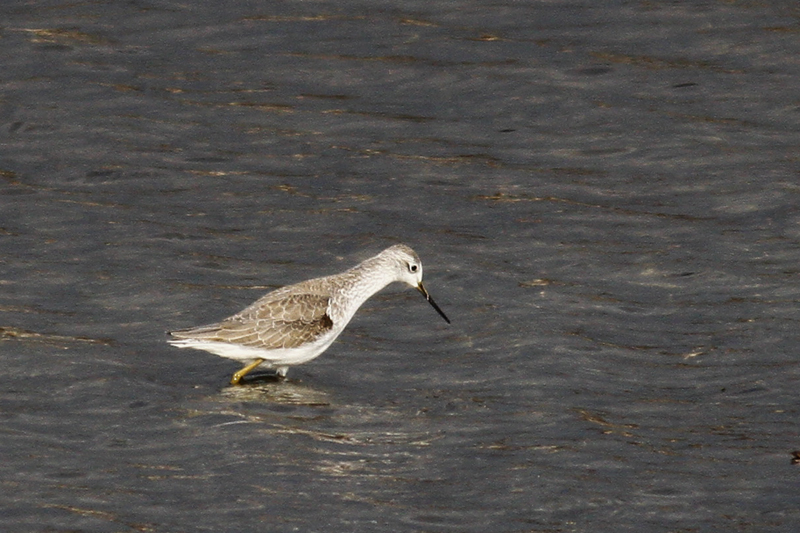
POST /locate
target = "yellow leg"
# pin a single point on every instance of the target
(243, 372)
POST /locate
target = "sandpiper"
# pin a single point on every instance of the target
(294, 324)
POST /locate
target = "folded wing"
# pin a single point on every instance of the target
(286, 322)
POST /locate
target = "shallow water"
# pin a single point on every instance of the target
(605, 198)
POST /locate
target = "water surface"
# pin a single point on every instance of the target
(604, 196)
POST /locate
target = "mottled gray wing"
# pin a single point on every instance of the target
(285, 322)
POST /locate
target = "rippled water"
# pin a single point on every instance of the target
(605, 196)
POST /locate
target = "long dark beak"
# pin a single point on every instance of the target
(421, 288)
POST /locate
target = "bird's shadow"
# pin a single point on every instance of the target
(261, 377)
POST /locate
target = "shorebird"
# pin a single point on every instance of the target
(294, 324)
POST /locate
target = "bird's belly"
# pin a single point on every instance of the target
(271, 356)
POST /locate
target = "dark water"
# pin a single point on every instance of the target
(605, 195)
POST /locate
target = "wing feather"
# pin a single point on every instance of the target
(287, 321)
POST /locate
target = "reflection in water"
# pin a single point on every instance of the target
(291, 408)
(279, 392)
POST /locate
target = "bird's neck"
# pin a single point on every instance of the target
(362, 281)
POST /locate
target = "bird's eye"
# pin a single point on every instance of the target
(412, 267)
